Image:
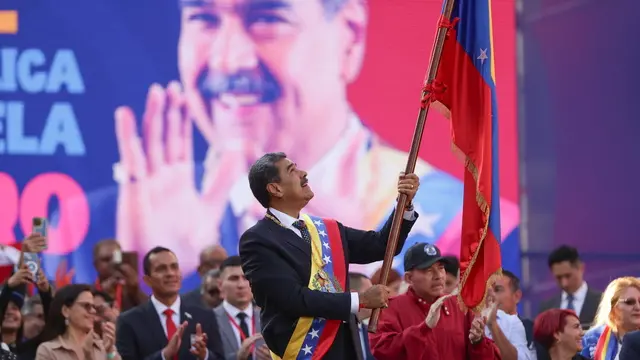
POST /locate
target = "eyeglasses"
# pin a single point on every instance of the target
(88, 307)
(630, 301)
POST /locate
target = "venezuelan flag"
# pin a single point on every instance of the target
(467, 76)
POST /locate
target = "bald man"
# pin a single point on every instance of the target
(211, 258)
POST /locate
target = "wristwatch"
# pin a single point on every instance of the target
(409, 207)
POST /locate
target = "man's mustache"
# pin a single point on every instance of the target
(257, 81)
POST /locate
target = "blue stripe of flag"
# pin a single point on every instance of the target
(474, 35)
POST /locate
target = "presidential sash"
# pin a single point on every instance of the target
(313, 337)
(607, 346)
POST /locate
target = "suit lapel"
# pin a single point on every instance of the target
(155, 325)
(191, 329)
(288, 237)
(226, 330)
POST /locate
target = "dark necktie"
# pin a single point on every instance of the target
(243, 324)
(300, 225)
(244, 327)
(570, 302)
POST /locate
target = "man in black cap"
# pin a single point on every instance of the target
(404, 332)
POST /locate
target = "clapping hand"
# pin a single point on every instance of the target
(247, 346)
(477, 329)
(199, 345)
(173, 347)
(108, 336)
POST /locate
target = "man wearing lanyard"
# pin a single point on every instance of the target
(238, 321)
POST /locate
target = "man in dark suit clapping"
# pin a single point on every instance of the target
(164, 328)
(297, 265)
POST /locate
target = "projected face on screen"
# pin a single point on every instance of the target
(267, 72)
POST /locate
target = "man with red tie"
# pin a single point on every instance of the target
(165, 328)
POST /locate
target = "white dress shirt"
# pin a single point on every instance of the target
(578, 298)
(287, 221)
(233, 312)
(513, 330)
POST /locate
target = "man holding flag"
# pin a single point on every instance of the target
(464, 90)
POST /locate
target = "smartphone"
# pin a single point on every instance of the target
(130, 258)
(97, 327)
(33, 263)
(39, 225)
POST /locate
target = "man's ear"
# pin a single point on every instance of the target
(518, 295)
(355, 16)
(274, 189)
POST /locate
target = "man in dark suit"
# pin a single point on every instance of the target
(630, 346)
(297, 265)
(238, 320)
(566, 266)
(163, 328)
(360, 283)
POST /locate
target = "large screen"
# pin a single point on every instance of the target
(139, 120)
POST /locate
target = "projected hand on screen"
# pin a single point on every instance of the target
(157, 199)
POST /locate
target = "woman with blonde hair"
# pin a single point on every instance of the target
(618, 314)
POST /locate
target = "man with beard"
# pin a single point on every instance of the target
(259, 76)
(297, 265)
(405, 331)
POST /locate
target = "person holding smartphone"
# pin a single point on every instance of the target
(117, 278)
(12, 298)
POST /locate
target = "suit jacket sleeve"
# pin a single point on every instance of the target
(276, 283)
(370, 246)
(126, 341)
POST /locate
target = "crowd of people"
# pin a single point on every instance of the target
(289, 295)
(220, 320)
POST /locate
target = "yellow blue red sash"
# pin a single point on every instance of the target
(607, 346)
(313, 337)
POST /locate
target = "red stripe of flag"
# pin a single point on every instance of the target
(470, 100)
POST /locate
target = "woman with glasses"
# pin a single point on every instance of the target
(559, 332)
(69, 333)
(618, 314)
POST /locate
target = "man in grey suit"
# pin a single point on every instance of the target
(566, 266)
(238, 319)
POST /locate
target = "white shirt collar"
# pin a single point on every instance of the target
(285, 219)
(234, 311)
(579, 295)
(241, 199)
(160, 307)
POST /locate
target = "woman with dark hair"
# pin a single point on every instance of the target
(560, 333)
(69, 334)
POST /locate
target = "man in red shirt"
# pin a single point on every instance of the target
(403, 330)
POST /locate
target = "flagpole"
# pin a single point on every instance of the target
(392, 242)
